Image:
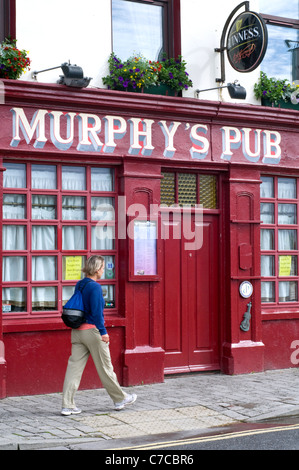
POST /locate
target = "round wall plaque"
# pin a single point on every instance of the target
(247, 42)
(246, 289)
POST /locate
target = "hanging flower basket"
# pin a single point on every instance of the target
(13, 62)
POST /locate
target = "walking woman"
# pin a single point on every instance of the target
(92, 338)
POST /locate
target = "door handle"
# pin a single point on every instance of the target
(245, 324)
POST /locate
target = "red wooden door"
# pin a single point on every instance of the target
(191, 301)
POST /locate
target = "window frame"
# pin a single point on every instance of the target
(289, 308)
(281, 21)
(8, 16)
(88, 222)
(197, 174)
(172, 24)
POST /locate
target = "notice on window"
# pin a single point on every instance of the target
(73, 266)
(285, 263)
(145, 248)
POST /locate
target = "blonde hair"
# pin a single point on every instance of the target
(93, 264)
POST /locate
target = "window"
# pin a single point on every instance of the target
(49, 229)
(279, 240)
(145, 27)
(7, 19)
(282, 21)
(189, 189)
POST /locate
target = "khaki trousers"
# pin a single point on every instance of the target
(84, 343)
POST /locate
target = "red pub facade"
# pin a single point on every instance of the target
(189, 201)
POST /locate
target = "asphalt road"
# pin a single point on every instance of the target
(279, 435)
(276, 438)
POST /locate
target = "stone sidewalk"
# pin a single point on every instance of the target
(190, 402)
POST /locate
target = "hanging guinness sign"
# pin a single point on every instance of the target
(247, 42)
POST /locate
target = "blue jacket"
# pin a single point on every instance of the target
(93, 304)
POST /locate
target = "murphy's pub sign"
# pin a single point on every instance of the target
(61, 132)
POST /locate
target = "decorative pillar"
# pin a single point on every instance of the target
(140, 297)
(243, 350)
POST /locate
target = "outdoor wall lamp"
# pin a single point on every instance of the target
(236, 91)
(72, 75)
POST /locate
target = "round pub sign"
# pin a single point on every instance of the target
(247, 42)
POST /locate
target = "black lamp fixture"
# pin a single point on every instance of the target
(72, 75)
(236, 91)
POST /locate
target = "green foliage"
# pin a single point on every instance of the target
(173, 73)
(137, 73)
(134, 73)
(274, 89)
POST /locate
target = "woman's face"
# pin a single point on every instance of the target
(100, 271)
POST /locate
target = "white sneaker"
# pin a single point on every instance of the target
(70, 411)
(129, 400)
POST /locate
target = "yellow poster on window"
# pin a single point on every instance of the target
(73, 265)
(285, 263)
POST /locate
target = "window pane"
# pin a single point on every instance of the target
(280, 8)
(102, 208)
(73, 178)
(267, 266)
(267, 213)
(73, 237)
(14, 237)
(268, 291)
(287, 239)
(287, 214)
(208, 191)
(14, 206)
(43, 237)
(137, 25)
(72, 267)
(67, 292)
(43, 177)
(187, 189)
(109, 268)
(168, 189)
(279, 64)
(73, 208)
(287, 188)
(44, 268)
(43, 207)
(267, 239)
(288, 291)
(102, 237)
(108, 294)
(44, 298)
(14, 268)
(267, 187)
(288, 265)
(102, 179)
(14, 299)
(15, 175)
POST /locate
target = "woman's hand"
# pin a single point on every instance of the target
(105, 338)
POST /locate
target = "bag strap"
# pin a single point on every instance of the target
(82, 287)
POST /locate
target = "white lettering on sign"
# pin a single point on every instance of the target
(232, 137)
(37, 125)
(96, 134)
(169, 136)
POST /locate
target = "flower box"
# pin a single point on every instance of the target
(280, 104)
(161, 89)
